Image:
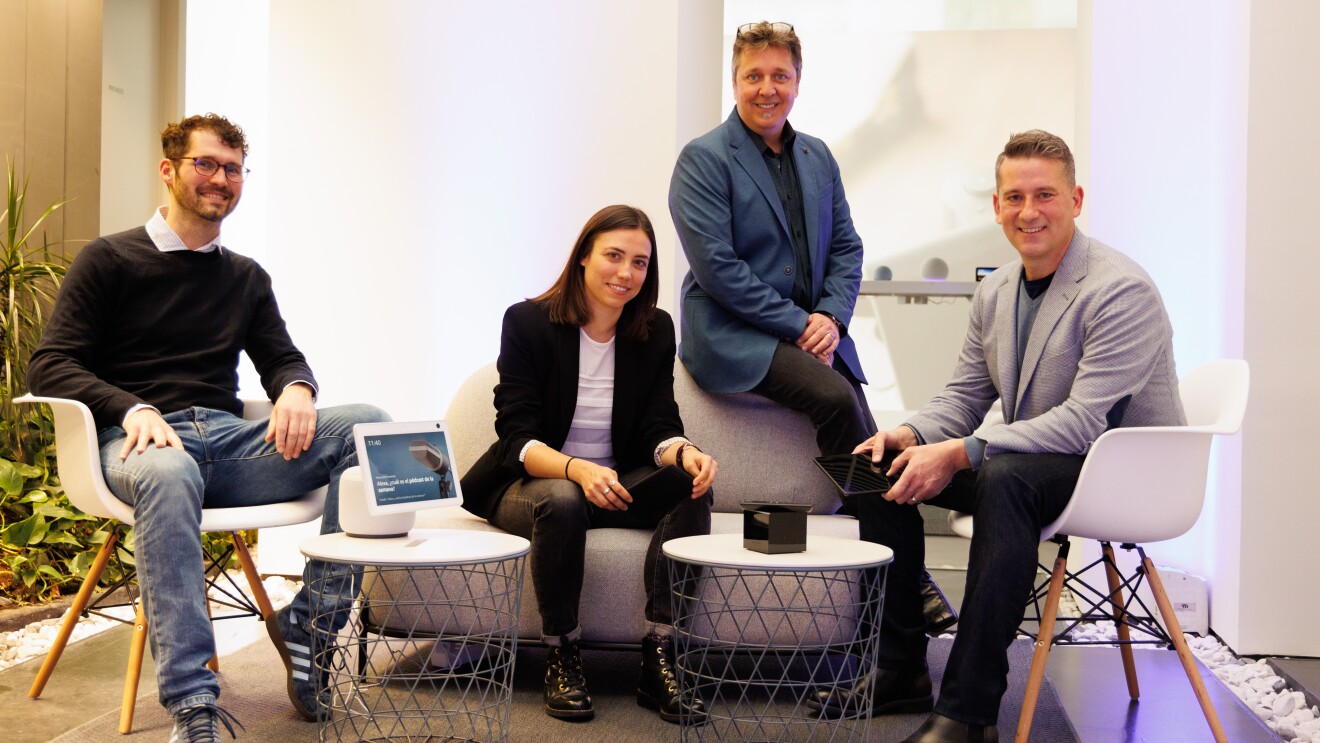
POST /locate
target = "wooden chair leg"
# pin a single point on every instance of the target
(250, 571)
(133, 673)
(1124, 632)
(1043, 642)
(1184, 652)
(214, 662)
(80, 602)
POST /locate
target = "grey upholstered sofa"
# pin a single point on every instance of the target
(764, 451)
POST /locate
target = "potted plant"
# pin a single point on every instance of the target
(44, 543)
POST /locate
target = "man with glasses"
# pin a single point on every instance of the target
(146, 331)
(775, 261)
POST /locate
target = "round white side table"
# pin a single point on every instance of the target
(756, 635)
(460, 587)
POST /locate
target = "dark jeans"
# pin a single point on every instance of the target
(828, 395)
(555, 516)
(1012, 496)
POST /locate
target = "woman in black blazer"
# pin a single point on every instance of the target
(585, 407)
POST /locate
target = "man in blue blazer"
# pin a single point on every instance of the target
(775, 261)
(1074, 339)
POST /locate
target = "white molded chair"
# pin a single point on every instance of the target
(1137, 485)
(79, 462)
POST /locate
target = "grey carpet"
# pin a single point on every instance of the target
(252, 683)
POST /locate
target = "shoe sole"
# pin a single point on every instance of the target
(277, 639)
(915, 705)
(570, 714)
(644, 700)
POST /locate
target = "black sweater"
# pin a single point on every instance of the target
(134, 325)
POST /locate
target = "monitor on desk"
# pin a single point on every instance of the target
(406, 466)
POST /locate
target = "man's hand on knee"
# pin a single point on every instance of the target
(293, 421)
(926, 470)
(144, 427)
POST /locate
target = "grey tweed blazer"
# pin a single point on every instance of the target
(1101, 337)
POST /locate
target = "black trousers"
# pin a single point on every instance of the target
(1012, 496)
(554, 516)
(828, 395)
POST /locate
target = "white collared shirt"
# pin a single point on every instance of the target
(167, 240)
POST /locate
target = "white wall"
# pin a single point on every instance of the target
(131, 116)
(432, 162)
(1200, 166)
(1280, 509)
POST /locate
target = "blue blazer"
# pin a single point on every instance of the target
(737, 295)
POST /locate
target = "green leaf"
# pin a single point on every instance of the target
(59, 537)
(82, 563)
(53, 511)
(35, 496)
(11, 479)
(24, 533)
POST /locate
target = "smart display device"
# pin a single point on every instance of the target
(407, 466)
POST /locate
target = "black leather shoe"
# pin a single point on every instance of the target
(939, 729)
(935, 607)
(657, 688)
(892, 692)
(566, 694)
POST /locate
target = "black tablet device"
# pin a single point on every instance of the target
(854, 474)
(659, 491)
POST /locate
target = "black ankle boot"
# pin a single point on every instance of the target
(657, 688)
(566, 694)
(892, 692)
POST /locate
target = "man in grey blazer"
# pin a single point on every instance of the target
(775, 261)
(1074, 339)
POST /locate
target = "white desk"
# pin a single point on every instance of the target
(757, 634)
(463, 587)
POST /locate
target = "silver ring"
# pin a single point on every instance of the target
(605, 493)
(613, 483)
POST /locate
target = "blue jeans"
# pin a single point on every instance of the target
(225, 463)
(1012, 497)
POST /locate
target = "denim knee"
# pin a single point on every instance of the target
(562, 506)
(154, 472)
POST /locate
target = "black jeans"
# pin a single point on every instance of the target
(554, 516)
(828, 395)
(1012, 496)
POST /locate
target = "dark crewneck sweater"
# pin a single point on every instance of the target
(135, 325)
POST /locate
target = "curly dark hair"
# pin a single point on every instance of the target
(176, 136)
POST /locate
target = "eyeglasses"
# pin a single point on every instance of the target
(777, 27)
(206, 168)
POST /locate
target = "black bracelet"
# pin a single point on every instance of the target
(678, 456)
(570, 461)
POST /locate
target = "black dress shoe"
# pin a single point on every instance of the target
(566, 694)
(939, 729)
(892, 692)
(657, 688)
(935, 607)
